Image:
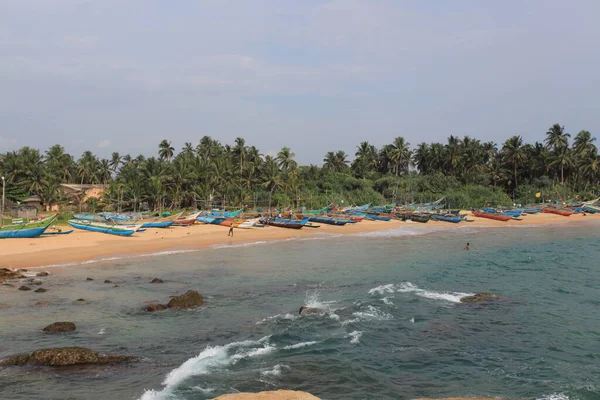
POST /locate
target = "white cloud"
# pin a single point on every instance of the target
(103, 144)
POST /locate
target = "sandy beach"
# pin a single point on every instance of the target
(81, 246)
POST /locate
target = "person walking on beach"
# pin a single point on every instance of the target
(230, 231)
(467, 246)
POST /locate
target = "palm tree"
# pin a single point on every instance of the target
(583, 144)
(165, 150)
(272, 177)
(514, 153)
(285, 160)
(115, 161)
(421, 158)
(561, 157)
(556, 137)
(400, 155)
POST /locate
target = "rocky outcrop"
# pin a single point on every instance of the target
(7, 274)
(43, 273)
(310, 310)
(40, 290)
(88, 279)
(24, 288)
(276, 395)
(156, 280)
(107, 281)
(191, 299)
(155, 307)
(80, 300)
(59, 327)
(479, 298)
(62, 356)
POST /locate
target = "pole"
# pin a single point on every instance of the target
(2, 211)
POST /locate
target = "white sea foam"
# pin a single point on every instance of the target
(288, 316)
(355, 337)
(98, 260)
(407, 287)
(371, 313)
(276, 371)
(211, 358)
(203, 390)
(403, 231)
(299, 345)
(412, 320)
(247, 244)
(386, 300)
(102, 331)
(554, 396)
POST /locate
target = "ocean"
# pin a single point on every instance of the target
(391, 326)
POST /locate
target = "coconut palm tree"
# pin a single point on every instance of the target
(165, 150)
(514, 154)
(115, 161)
(285, 160)
(556, 137)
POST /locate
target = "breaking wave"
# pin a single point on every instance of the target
(407, 287)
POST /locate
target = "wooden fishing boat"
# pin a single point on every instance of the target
(446, 218)
(246, 223)
(29, 230)
(415, 217)
(495, 216)
(322, 219)
(112, 229)
(286, 223)
(56, 231)
(378, 217)
(557, 211)
(187, 220)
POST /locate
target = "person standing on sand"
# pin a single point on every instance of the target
(230, 231)
(467, 246)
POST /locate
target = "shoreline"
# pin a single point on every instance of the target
(84, 247)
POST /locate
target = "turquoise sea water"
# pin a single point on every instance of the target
(392, 325)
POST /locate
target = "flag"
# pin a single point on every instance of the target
(538, 194)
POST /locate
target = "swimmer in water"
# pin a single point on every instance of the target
(467, 246)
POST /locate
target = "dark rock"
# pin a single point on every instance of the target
(310, 310)
(37, 283)
(43, 273)
(24, 288)
(156, 280)
(41, 304)
(80, 300)
(40, 290)
(8, 274)
(88, 279)
(155, 307)
(60, 327)
(62, 356)
(190, 299)
(8, 284)
(480, 297)
(107, 281)
(22, 270)
(116, 286)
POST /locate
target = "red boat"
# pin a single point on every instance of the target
(497, 217)
(564, 213)
(186, 220)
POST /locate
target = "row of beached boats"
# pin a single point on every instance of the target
(126, 224)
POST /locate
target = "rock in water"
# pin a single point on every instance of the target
(60, 327)
(80, 300)
(88, 279)
(479, 298)
(156, 280)
(155, 307)
(43, 273)
(40, 290)
(276, 395)
(107, 281)
(61, 356)
(191, 299)
(24, 288)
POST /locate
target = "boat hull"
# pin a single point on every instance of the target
(496, 217)
(118, 230)
(557, 212)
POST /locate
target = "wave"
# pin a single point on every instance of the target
(209, 359)
(554, 396)
(247, 244)
(355, 337)
(288, 316)
(299, 345)
(404, 231)
(114, 258)
(408, 287)
(276, 371)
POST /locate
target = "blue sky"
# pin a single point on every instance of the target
(121, 75)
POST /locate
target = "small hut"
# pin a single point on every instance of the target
(24, 211)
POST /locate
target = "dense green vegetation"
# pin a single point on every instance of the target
(467, 171)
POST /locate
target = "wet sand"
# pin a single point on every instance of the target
(81, 246)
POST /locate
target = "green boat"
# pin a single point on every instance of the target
(422, 218)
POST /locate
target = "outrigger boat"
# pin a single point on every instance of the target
(30, 230)
(495, 216)
(112, 229)
(564, 213)
(286, 223)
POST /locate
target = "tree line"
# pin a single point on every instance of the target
(466, 170)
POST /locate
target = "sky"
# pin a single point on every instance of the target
(316, 76)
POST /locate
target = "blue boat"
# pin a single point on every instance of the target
(119, 230)
(446, 218)
(286, 223)
(328, 220)
(376, 217)
(206, 219)
(30, 230)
